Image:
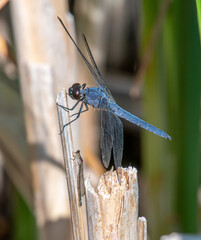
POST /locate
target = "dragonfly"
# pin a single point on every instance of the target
(111, 136)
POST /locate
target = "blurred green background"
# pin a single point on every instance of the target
(176, 74)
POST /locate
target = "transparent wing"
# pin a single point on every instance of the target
(111, 137)
(107, 137)
(118, 141)
(90, 67)
(99, 76)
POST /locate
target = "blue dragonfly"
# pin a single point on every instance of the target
(101, 98)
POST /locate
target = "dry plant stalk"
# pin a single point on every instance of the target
(42, 58)
(113, 210)
(142, 228)
(70, 167)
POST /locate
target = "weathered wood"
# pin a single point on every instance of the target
(45, 152)
(95, 228)
(46, 65)
(142, 228)
(71, 167)
(113, 210)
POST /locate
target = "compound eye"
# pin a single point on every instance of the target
(70, 91)
(74, 91)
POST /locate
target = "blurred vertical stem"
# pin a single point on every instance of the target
(198, 2)
(172, 102)
(186, 55)
(156, 162)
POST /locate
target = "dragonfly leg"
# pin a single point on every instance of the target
(81, 111)
(78, 115)
(69, 109)
(83, 86)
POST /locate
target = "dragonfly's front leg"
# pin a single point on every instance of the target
(78, 114)
(69, 109)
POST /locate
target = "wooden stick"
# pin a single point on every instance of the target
(113, 210)
(142, 228)
(70, 167)
(44, 67)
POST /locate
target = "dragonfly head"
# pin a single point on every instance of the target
(74, 91)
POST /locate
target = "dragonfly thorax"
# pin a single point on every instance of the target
(74, 91)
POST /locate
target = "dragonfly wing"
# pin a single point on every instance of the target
(93, 69)
(118, 141)
(99, 78)
(107, 137)
(90, 67)
(111, 137)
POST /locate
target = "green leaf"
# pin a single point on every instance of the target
(198, 2)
